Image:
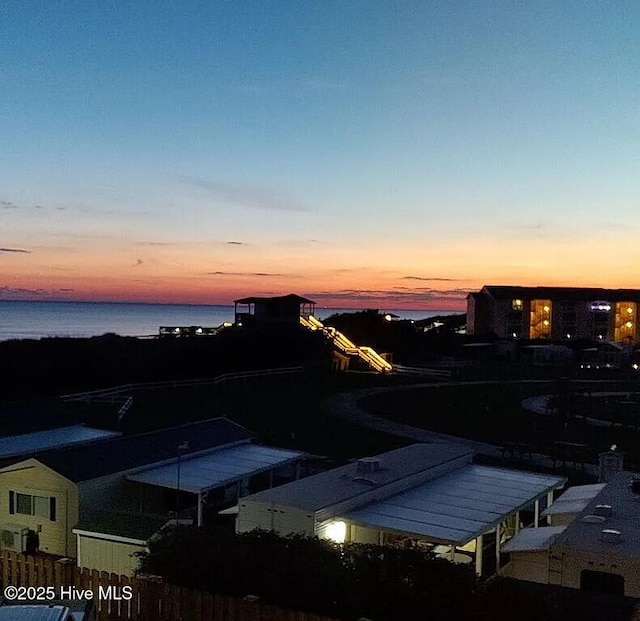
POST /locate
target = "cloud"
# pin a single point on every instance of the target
(23, 292)
(386, 297)
(20, 250)
(20, 291)
(428, 279)
(8, 205)
(236, 243)
(154, 243)
(138, 262)
(261, 274)
(248, 195)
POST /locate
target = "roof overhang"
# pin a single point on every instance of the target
(458, 506)
(216, 469)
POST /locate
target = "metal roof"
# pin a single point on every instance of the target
(587, 536)
(574, 500)
(121, 524)
(532, 539)
(292, 297)
(216, 469)
(122, 453)
(562, 293)
(29, 443)
(345, 483)
(458, 506)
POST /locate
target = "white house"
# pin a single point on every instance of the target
(427, 495)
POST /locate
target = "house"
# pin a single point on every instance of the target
(284, 310)
(101, 502)
(554, 313)
(427, 495)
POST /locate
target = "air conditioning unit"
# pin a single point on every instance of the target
(12, 537)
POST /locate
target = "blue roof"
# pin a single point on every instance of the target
(221, 467)
(124, 453)
(38, 441)
(458, 506)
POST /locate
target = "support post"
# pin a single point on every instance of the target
(536, 513)
(498, 533)
(452, 553)
(199, 508)
(517, 528)
(479, 545)
(270, 479)
(549, 503)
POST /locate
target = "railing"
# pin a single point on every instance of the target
(369, 355)
(126, 389)
(423, 371)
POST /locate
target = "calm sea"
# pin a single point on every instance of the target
(32, 320)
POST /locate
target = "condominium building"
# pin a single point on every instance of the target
(555, 313)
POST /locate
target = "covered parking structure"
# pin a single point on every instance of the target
(454, 512)
(200, 474)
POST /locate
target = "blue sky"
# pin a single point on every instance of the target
(345, 145)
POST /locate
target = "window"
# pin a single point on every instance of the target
(38, 506)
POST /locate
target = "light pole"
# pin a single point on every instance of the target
(184, 446)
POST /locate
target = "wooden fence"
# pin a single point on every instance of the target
(150, 599)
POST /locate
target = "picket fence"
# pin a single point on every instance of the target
(151, 598)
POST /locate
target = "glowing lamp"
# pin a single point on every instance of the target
(546, 322)
(629, 324)
(546, 309)
(336, 531)
(630, 310)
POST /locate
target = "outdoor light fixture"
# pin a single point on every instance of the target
(546, 309)
(629, 324)
(336, 531)
(630, 310)
(603, 307)
(546, 322)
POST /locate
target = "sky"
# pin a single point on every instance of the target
(363, 153)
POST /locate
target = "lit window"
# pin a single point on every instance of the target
(516, 305)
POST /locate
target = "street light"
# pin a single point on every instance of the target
(184, 446)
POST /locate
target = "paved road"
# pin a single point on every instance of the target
(348, 407)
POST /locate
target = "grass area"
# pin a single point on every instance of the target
(493, 413)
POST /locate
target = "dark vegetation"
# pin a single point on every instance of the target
(56, 366)
(355, 580)
(407, 340)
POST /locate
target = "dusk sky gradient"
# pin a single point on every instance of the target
(366, 153)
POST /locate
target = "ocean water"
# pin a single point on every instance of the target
(33, 320)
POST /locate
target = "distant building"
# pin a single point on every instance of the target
(555, 313)
(281, 310)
